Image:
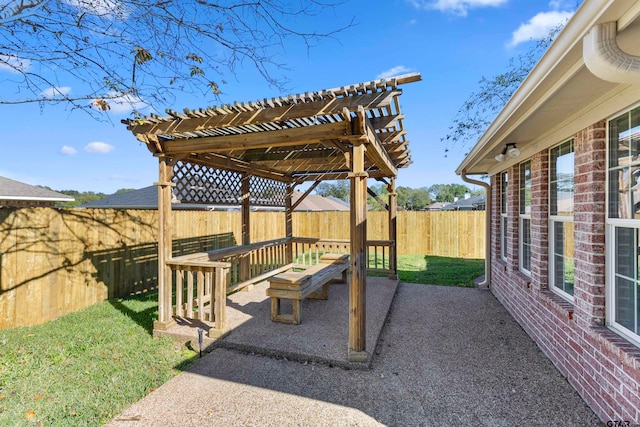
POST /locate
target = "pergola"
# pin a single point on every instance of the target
(255, 153)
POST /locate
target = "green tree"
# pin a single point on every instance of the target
(124, 190)
(413, 199)
(448, 192)
(80, 197)
(83, 197)
(138, 52)
(339, 189)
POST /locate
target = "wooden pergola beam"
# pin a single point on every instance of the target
(385, 122)
(254, 140)
(391, 137)
(304, 196)
(223, 162)
(378, 199)
(397, 148)
(325, 176)
(363, 130)
(306, 152)
(378, 154)
(260, 116)
(294, 165)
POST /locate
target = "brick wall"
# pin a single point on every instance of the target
(602, 366)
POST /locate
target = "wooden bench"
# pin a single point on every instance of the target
(297, 285)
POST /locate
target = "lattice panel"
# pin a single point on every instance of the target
(202, 184)
(267, 192)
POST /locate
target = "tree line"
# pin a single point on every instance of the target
(408, 198)
(412, 199)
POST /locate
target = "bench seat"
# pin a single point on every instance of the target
(312, 282)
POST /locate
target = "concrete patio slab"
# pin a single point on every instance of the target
(323, 334)
(446, 356)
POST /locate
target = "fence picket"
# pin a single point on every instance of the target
(54, 262)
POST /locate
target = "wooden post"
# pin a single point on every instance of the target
(393, 229)
(246, 224)
(358, 286)
(164, 245)
(220, 282)
(288, 217)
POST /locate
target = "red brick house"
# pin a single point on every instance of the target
(563, 158)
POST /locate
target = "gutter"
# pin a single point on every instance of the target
(604, 58)
(487, 234)
(38, 198)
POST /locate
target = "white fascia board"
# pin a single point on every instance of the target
(38, 199)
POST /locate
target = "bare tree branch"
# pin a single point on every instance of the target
(144, 50)
(480, 108)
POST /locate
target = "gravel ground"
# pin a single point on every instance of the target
(446, 356)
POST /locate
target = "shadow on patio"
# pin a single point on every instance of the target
(446, 355)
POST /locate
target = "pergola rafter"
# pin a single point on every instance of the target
(353, 132)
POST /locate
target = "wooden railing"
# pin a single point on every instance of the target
(307, 251)
(381, 257)
(201, 281)
(252, 263)
(379, 252)
(198, 291)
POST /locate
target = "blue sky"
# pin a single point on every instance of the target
(452, 43)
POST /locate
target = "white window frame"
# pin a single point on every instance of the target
(553, 220)
(522, 217)
(610, 306)
(504, 219)
(610, 254)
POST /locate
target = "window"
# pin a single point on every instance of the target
(524, 248)
(561, 170)
(504, 181)
(623, 284)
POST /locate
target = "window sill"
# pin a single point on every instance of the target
(627, 351)
(556, 303)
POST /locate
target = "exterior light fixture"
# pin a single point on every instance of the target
(513, 152)
(510, 150)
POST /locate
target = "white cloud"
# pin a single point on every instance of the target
(395, 71)
(457, 7)
(55, 91)
(67, 150)
(122, 104)
(98, 147)
(562, 4)
(539, 26)
(104, 8)
(14, 64)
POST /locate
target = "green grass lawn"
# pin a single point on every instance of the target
(435, 270)
(85, 368)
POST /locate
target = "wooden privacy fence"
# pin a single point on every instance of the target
(53, 262)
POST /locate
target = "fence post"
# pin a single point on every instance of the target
(219, 296)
